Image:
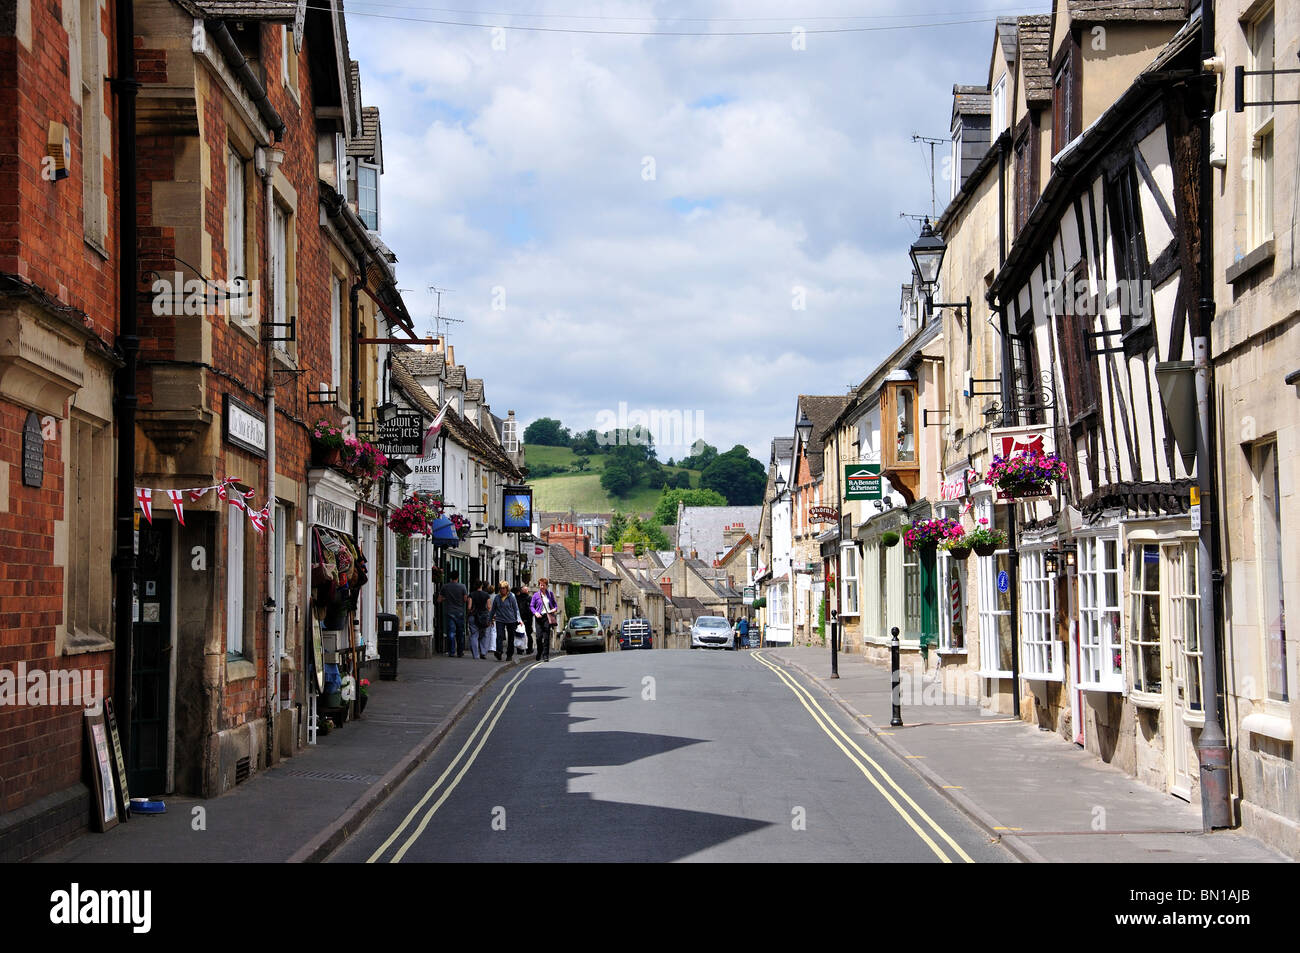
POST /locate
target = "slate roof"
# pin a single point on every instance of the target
(1007, 30)
(782, 448)
(564, 567)
(474, 389)
(365, 144)
(822, 411)
(701, 527)
(595, 568)
(695, 607)
(1103, 11)
(1034, 42)
(456, 377)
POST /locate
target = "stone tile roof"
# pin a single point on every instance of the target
(421, 363)
(474, 388)
(822, 411)
(564, 568)
(782, 448)
(595, 568)
(971, 100)
(456, 377)
(365, 144)
(274, 10)
(1007, 30)
(1034, 42)
(1103, 11)
(693, 606)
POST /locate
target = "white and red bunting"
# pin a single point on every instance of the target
(260, 518)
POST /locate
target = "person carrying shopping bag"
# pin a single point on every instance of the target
(505, 613)
(545, 609)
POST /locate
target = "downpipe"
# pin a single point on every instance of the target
(273, 159)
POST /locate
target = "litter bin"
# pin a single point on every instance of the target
(387, 646)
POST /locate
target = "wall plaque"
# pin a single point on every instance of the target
(33, 452)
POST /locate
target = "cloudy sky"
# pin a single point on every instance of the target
(698, 224)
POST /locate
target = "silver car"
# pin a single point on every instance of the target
(711, 632)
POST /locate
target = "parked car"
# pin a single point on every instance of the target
(583, 632)
(635, 634)
(711, 632)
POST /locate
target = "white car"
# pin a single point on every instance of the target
(711, 632)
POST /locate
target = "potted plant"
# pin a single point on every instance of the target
(363, 462)
(460, 523)
(927, 534)
(326, 444)
(985, 540)
(363, 693)
(889, 538)
(414, 516)
(1026, 473)
(958, 547)
(324, 726)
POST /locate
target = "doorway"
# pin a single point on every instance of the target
(151, 664)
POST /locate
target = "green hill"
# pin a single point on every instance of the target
(581, 491)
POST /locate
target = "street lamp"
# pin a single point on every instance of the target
(780, 485)
(927, 257)
(804, 427)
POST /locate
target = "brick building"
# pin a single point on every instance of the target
(58, 324)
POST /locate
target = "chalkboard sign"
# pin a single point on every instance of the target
(33, 452)
(123, 795)
(103, 791)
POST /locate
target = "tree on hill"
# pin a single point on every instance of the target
(585, 443)
(666, 508)
(702, 454)
(737, 476)
(681, 480)
(547, 432)
(617, 478)
(634, 530)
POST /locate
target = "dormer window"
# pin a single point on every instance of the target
(998, 108)
(954, 162)
(368, 195)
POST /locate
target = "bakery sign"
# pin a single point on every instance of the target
(823, 514)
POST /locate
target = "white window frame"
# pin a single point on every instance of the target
(989, 614)
(779, 606)
(950, 571)
(510, 435)
(849, 585)
(362, 169)
(236, 216)
(1271, 543)
(236, 575)
(1261, 32)
(280, 275)
(1185, 622)
(1101, 621)
(998, 108)
(1041, 657)
(413, 602)
(1139, 597)
(914, 601)
(954, 160)
(336, 337)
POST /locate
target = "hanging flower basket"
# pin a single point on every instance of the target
(461, 525)
(416, 515)
(957, 547)
(927, 534)
(326, 444)
(1028, 473)
(985, 540)
(889, 538)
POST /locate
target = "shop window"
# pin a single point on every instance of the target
(1102, 662)
(413, 585)
(849, 581)
(952, 603)
(89, 512)
(912, 621)
(1185, 622)
(1040, 652)
(994, 615)
(236, 579)
(1144, 618)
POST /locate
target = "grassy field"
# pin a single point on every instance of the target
(582, 491)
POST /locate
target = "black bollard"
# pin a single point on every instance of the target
(897, 720)
(835, 644)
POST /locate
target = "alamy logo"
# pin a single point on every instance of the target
(103, 907)
(175, 296)
(37, 687)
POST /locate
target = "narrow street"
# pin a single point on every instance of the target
(663, 756)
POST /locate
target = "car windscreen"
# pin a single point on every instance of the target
(712, 622)
(584, 624)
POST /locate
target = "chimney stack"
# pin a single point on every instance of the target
(667, 586)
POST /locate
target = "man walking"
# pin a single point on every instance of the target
(455, 598)
(480, 619)
(544, 609)
(505, 613)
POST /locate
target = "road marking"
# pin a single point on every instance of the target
(829, 726)
(503, 697)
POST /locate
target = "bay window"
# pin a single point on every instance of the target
(1100, 633)
(849, 580)
(1144, 618)
(1040, 651)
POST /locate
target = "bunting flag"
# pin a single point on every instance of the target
(238, 503)
(176, 497)
(434, 428)
(197, 493)
(144, 496)
(258, 520)
(221, 492)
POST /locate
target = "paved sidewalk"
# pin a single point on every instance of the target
(1045, 798)
(305, 806)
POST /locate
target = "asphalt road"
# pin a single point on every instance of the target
(663, 756)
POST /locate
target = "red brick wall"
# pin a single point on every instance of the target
(42, 241)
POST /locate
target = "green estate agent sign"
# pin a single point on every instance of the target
(862, 481)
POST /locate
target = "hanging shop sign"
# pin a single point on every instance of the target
(862, 481)
(1006, 441)
(516, 509)
(426, 472)
(33, 452)
(823, 514)
(959, 486)
(401, 435)
(244, 427)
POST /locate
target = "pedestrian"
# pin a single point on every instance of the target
(455, 599)
(742, 627)
(505, 613)
(480, 619)
(524, 598)
(735, 636)
(544, 609)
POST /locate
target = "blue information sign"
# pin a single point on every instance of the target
(1004, 581)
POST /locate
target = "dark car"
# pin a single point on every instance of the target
(635, 634)
(583, 632)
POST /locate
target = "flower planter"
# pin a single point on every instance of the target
(889, 539)
(322, 456)
(959, 552)
(986, 549)
(1026, 490)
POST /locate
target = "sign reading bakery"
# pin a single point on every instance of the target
(244, 426)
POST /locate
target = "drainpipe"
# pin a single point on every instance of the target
(273, 159)
(1212, 744)
(241, 68)
(125, 86)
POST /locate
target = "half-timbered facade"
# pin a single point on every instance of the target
(1098, 288)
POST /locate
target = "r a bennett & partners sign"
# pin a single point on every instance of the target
(862, 481)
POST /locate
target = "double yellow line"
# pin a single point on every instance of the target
(490, 718)
(861, 760)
